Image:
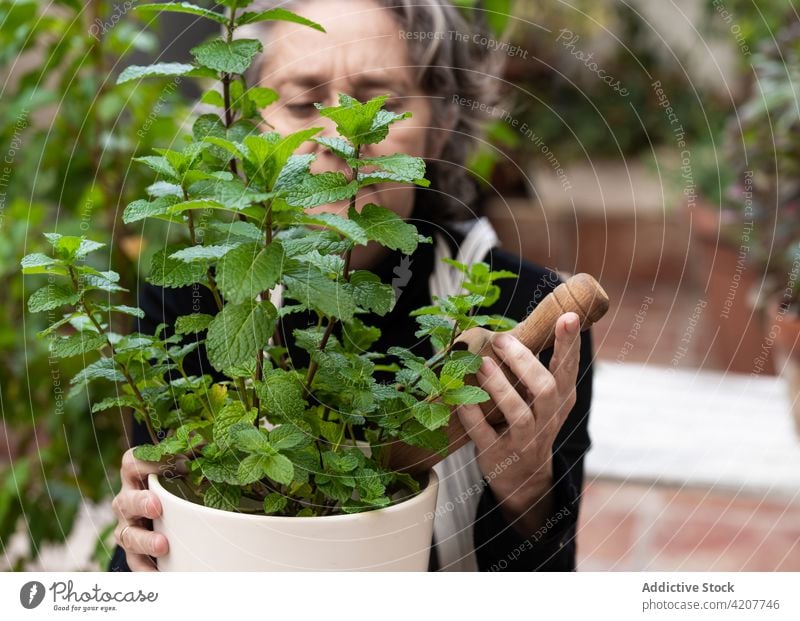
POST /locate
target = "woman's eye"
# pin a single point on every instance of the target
(301, 110)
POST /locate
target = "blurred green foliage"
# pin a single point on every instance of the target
(67, 135)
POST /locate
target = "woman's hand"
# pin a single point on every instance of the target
(518, 458)
(134, 507)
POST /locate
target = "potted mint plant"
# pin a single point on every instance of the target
(287, 467)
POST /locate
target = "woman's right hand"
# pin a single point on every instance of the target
(136, 506)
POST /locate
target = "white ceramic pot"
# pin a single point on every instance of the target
(395, 538)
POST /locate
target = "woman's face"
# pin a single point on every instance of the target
(362, 55)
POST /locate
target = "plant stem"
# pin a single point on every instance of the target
(87, 308)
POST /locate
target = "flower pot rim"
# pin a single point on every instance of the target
(430, 488)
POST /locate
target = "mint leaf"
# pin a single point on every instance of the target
(182, 7)
(77, 344)
(251, 17)
(308, 285)
(202, 253)
(280, 469)
(387, 228)
(168, 272)
(321, 189)
(228, 57)
(222, 496)
(465, 395)
(192, 324)
(366, 123)
(281, 394)
(248, 270)
(50, 297)
(274, 503)
(431, 415)
(399, 168)
(159, 70)
(238, 332)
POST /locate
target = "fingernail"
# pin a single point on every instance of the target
(572, 324)
(501, 340)
(148, 507)
(486, 366)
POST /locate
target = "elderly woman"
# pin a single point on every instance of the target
(509, 499)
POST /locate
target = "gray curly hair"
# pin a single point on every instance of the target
(446, 67)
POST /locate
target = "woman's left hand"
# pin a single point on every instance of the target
(517, 460)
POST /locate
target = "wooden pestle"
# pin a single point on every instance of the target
(581, 294)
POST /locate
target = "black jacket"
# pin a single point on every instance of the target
(498, 546)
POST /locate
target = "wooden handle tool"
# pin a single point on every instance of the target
(581, 294)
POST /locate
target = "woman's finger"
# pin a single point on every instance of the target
(140, 562)
(476, 426)
(566, 352)
(138, 540)
(134, 471)
(516, 411)
(134, 504)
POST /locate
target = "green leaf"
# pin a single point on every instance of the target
(465, 395)
(115, 402)
(50, 297)
(281, 394)
(253, 440)
(222, 496)
(338, 146)
(387, 228)
(251, 17)
(158, 208)
(288, 437)
(370, 294)
(192, 324)
(238, 332)
(398, 168)
(182, 7)
(308, 285)
(170, 273)
(269, 153)
(280, 469)
(160, 70)
(38, 263)
(105, 368)
(202, 253)
(344, 226)
(159, 164)
(77, 344)
(366, 123)
(148, 452)
(248, 270)
(230, 415)
(274, 503)
(261, 96)
(322, 189)
(229, 57)
(252, 468)
(431, 415)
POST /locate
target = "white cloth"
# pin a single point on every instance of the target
(458, 473)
